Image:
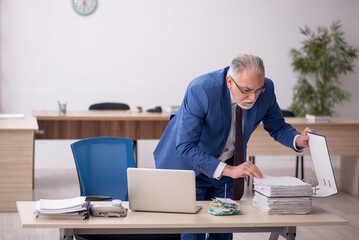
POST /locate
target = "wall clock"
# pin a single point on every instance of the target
(84, 7)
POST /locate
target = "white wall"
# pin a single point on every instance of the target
(145, 52)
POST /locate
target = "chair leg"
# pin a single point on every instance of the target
(302, 162)
(296, 166)
(248, 178)
(135, 151)
(253, 160)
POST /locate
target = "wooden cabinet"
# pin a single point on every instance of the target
(16, 161)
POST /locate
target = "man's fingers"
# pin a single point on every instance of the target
(248, 172)
(305, 138)
(251, 175)
(255, 172)
(252, 170)
(307, 129)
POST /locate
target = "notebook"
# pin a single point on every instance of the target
(161, 190)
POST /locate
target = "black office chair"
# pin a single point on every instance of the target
(286, 113)
(109, 106)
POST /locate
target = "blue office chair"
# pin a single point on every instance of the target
(101, 164)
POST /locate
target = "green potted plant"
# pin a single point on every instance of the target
(321, 61)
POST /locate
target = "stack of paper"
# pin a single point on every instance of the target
(282, 195)
(74, 208)
(11, 115)
(317, 119)
(286, 205)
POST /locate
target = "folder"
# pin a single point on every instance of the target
(327, 185)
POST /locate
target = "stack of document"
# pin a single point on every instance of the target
(282, 195)
(317, 119)
(73, 208)
(11, 115)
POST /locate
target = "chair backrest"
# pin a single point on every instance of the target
(287, 113)
(109, 106)
(101, 164)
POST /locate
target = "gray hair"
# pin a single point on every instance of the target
(246, 61)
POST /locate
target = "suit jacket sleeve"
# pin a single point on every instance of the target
(275, 124)
(188, 142)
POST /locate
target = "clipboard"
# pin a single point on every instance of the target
(327, 185)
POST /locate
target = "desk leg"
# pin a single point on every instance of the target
(274, 236)
(66, 234)
(33, 162)
(349, 174)
(135, 151)
(286, 232)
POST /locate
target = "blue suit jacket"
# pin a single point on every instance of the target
(197, 132)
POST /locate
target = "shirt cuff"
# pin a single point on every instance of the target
(295, 147)
(218, 172)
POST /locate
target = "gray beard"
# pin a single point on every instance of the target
(245, 108)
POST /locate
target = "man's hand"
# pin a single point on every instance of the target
(302, 140)
(242, 170)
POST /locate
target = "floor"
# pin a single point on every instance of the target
(64, 184)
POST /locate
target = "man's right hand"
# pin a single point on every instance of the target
(242, 170)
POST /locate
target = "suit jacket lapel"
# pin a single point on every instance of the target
(227, 110)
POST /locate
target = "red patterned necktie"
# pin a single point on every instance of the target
(238, 184)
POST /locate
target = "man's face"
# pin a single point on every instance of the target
(246, 89)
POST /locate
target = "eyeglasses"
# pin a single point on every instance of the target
(248, 91)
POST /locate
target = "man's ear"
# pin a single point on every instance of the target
(229, 81)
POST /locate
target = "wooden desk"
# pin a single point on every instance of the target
(252, 220)
(16, 161)
(100, 123)
(342, 134)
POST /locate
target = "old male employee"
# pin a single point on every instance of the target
(210, 131)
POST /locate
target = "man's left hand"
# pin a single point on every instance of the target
(302, 140)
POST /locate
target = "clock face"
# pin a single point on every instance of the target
(84, 7)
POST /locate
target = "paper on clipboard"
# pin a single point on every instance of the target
(323, 168)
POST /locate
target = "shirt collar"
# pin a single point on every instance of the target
(233, 101)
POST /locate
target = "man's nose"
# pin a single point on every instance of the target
(252, 96)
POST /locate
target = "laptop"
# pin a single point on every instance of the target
(162, 190)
